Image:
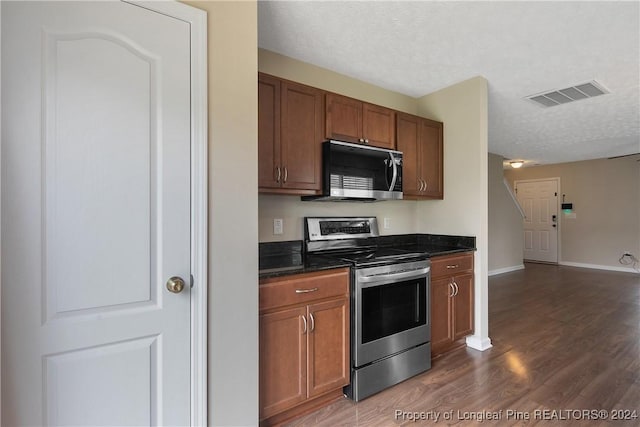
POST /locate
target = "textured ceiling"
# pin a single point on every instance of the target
(521, 48)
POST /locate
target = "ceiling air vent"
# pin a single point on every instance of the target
(569, 94)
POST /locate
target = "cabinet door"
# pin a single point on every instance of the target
(431, 157)
(344, 118)
(268, 131)
(283, 360)
(408, 131)
(301, 137)
(328, 346)
(379, 126)
(463, 307)
(441, 319)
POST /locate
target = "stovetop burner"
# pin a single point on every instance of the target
(327, 237)
(380, 256)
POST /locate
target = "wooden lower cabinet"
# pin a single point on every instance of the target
(451, 301)
(304, 344)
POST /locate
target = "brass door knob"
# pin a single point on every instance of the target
(175, 284)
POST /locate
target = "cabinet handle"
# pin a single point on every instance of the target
(304, 320)
(313, 322)
(457, 289)
(453, 266)
(278, 173)
(425, 186)
(452, 290)
(304, 291)
(286, 175)
(361, 140)
(366, 141)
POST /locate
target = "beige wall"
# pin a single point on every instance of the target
(233, 219)
(292, 211)
(606, 200)
(463, 110)
(301, 72)
(505, 222)
(291, 208)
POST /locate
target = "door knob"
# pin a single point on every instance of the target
(175, 284)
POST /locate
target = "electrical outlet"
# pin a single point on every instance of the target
(387, 223)
(278, 225)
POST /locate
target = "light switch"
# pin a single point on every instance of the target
(387, 223)
(278, 224)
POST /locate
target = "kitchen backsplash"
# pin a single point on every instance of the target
(401, 215)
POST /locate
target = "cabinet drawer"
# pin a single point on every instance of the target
(451, 265)
(302, 288)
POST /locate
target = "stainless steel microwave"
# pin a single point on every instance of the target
(359, 173)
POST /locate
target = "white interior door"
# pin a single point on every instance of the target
(539, 201)
(96, 215)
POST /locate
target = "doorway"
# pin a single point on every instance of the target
(539, 201)
(104, 213)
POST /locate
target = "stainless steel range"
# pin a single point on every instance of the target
(390, 310)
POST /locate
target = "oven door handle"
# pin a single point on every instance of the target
(381, 278)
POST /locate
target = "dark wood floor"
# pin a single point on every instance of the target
(563, 338)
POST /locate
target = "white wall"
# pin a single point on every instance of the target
(463, 110)
(233, 213)
(505, 223)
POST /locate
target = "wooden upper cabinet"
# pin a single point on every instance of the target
(432, 157)
(301, 137)
(268, 131)
(344, 118)
(420, 141)
(290, 135)
(408, 129)
(350, 120)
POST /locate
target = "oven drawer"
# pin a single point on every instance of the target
(451, 264)
(302, 288)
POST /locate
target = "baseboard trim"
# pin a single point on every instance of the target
(506, 269)
(598, 267)
(479, 343)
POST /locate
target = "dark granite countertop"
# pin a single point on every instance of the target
(311, 263)
(286, 258)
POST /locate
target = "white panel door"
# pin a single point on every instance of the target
(96, 215)
(539, 201)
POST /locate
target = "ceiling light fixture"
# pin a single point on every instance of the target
(516, 164)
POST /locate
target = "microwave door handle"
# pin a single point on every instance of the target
(386, 172)
(395, 172)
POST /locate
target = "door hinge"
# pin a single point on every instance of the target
(555, 194)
